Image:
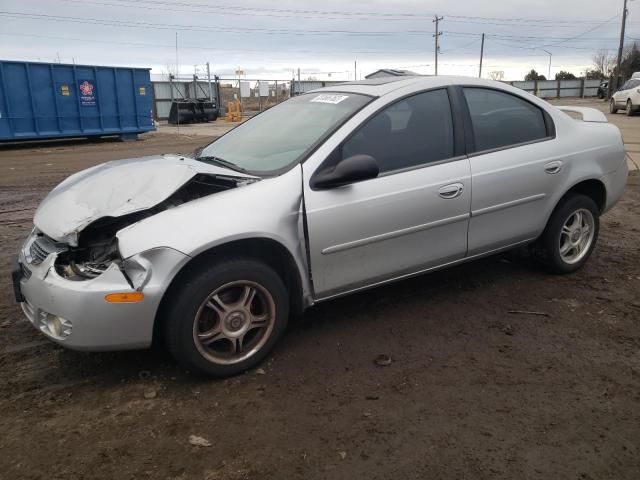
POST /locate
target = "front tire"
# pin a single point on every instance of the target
(225, 319)
(571, 234)
(629, 110)
(612, 106)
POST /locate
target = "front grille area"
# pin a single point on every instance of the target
(26, 273)
(41, 248)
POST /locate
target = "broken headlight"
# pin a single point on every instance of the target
(89, 261)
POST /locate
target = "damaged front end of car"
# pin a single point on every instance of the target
(96, 245)
(71, 278)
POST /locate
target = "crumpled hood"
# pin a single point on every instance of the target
(116, 188)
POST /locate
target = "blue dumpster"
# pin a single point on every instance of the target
(53, 100)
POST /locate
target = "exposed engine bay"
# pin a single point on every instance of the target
(97, 243)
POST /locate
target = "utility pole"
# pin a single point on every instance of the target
(177, 76)
(436, 20)
(355, 70)
(177, 67)
(619, 62)
(209, 80)
(195, 81)
(481, 55)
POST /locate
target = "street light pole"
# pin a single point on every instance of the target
(550, 54)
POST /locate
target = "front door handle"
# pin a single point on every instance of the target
(451, 191)
(553, 167)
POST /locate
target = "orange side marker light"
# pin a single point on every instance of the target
(124, 297)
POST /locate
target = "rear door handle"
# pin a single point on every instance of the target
(553, 167)
(451, 191)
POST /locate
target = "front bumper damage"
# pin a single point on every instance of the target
(76, 315)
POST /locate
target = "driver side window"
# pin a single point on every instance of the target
(415, 131)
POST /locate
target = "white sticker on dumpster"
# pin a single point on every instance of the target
(326, 98)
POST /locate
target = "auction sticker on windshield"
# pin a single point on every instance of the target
(326, 98)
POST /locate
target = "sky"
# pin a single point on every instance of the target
(328, 40)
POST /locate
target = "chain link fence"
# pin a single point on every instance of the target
(253, 95)
(257, 95)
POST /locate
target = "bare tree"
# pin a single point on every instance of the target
(496, 75)
(603, 62)
(169, 69)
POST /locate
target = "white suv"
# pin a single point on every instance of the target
(627, 97)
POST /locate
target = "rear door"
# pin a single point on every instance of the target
(413, 216)
(514, 168)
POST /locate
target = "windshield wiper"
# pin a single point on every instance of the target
(196, 153)
(222, 163)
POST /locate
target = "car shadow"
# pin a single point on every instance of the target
(59, 142)
(116, 367)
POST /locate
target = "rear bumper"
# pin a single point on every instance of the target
(75, 314)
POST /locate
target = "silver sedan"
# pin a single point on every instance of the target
(328, 193)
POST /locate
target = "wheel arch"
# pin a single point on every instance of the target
(269, 251)
(592, 188)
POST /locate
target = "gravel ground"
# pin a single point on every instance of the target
(474, 391)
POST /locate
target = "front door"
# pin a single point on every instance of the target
(412, 217)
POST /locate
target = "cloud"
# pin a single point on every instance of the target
(270, 40)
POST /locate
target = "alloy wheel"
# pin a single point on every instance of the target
(576, 236)
(234, 322)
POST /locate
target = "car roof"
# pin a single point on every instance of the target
(379, 87)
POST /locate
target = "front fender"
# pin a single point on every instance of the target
(270, 208)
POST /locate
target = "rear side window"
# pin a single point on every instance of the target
(501, 120)
(415, 131)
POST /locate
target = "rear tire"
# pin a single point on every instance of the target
(571, 234)
(225, 319)
(612, 106)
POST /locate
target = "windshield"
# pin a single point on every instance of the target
(278, 138)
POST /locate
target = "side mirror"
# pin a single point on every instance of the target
(350, 170)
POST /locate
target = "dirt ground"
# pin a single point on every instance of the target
(474, 391)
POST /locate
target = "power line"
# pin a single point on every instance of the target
(170, 26)
(244, 30)
(195, 47)
(511, 24)
(585, 32)
(241, 10)
(462, 46)
(534, 37)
